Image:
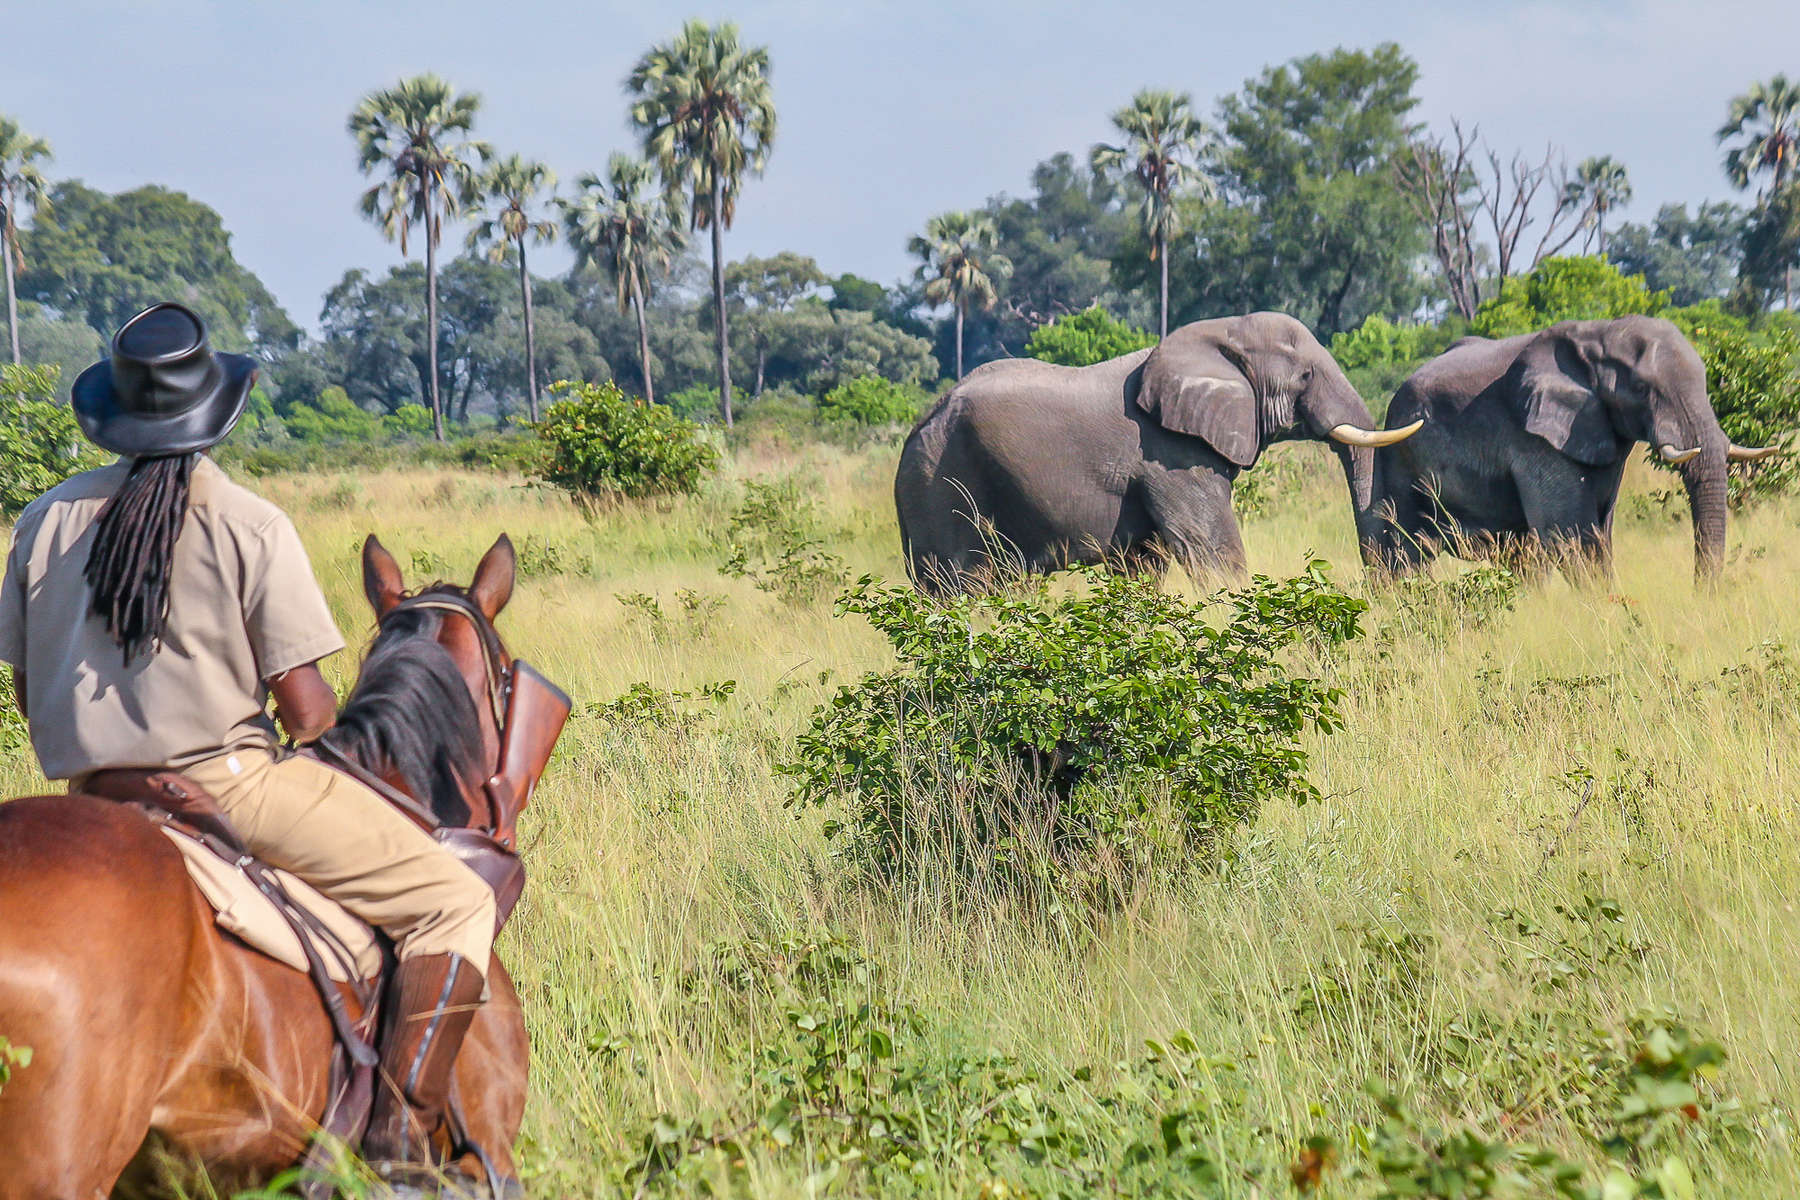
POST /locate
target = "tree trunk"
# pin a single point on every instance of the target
(431, 318)
(637, 306)
(12, 300)
(1162, 251)
(762, 358)
(531, 382)
(718, 255)
(959, 335)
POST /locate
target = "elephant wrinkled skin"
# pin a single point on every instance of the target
(1525, 441)
(1027, 465)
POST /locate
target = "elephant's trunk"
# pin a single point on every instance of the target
(1704, 475)
(1359, 472)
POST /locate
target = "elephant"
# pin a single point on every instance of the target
(1025, 465)
(1525, 440)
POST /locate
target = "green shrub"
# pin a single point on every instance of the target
(1753, 381)
(408, 421)
(774, 541)
(862, 1093)
(1084, 338)
(872, 400)
(1029, 736)
(40, 443)
(698, 402)
(1565, 289)
(333, 417)
(599, 444)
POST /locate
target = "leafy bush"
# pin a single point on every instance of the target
(1565, 289)
(600, 444)
(872, 400)
(333, 417)
(774, 541)
(698, 402)
(1029, 736)
(858, 1093)
(40, 443)
(1084, 338)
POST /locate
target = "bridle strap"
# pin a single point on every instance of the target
(493, 656)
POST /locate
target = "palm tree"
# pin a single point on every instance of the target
(413, 133)
(513, 185)
(624, 225)
(1767, 119)
(22, 189)
(960, 265)
(707, 115)
(1601, 183)
(1162, 138)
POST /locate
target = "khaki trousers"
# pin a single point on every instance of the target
(353, 846)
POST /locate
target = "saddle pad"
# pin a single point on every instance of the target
(252, 917)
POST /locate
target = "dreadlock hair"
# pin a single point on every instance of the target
(133, 554)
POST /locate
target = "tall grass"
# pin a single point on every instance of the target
(1637, 741)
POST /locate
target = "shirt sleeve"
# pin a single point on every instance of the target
(285, 613)
(12, 608)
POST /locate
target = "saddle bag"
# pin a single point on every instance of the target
(500, 868)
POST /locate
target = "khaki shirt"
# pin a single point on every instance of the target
(243, 608)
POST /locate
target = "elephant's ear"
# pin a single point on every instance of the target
(1190, 385)
(1556, 399)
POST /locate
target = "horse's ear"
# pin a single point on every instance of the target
(381, 578)
(494, 577)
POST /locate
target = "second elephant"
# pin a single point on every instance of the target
(1526, 440)
(1028, 465)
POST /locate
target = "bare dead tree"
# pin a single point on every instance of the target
(1458, 183)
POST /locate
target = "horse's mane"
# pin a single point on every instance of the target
(411, 715)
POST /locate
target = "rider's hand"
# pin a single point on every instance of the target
(304, 702)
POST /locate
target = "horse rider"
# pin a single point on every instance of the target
(151, 608)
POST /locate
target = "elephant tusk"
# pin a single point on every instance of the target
(1350, 435)
(1671, 454)
(1737, 453)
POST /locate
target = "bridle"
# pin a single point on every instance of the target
(495, 663)
(498, 666)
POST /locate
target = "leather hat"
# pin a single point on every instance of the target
(163, 391)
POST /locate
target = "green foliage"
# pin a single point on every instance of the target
(539, 557)
(1026, 735)
(1570, 288)
(1440, 608)
(40, 443)
(105, 256)
(872, 400)
(1379, 342)
(12, 1057)
(334, 417)
(1312, 223)
(855, 1090)
(1694, 257)
(697, 402)
(1087, 337)
(642, 707)
(600, 444)
(1753, 382)
(774, 541)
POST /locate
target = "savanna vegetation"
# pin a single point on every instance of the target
(1452, 888)
(1517, 905)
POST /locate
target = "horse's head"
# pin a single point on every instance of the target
(429, 710)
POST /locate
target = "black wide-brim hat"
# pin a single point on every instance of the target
(164, 391)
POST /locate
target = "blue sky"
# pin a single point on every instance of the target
(889, 111)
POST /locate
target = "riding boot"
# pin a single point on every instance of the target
(430, 1003)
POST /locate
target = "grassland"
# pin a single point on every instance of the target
(1635, 743)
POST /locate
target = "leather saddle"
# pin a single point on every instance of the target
(171, 799)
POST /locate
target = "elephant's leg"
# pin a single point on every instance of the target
(1191, 511)
(1412, 536)
(1566, 523)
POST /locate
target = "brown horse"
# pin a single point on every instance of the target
(155, 1036)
